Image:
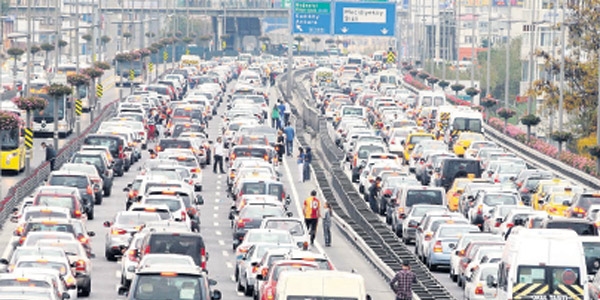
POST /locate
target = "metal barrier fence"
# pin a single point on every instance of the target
(353, 208)
(27, 185)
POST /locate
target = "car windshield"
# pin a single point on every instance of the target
(454, 231)
(499, 199)
(510, 168)
(582, 228)
(79, 182)
(44, 264)
(173, 204)
(111, 143)
(268, 237)
(163, 286)
(49, 226)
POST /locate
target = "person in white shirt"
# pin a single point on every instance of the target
(287, 113)
(218, 155)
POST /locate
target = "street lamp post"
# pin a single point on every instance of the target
(532, 34)
(489, 52)
(562, 71)
(507, 77)
(458, 43)
(473, 37)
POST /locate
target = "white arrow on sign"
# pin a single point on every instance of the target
(299, 27)
(384, 31)
(344, 29)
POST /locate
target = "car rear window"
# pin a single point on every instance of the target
(254, 188)
(51, 200)
(580, 228)
(166, 144)
(587, 201)
(180, 128)
(433, 197)
(364, 151)
(173, 204)
(177, 244)
(246, 152)
(260, 212)
(111, 143)
(462, 166)
(41, 226)
(165, 185)
(46, 214)
(499, 199)
(66, 180)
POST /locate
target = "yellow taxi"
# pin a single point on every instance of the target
(464, 140)
(542, 190)
(457, 188)
(412, 139)
(553, 204)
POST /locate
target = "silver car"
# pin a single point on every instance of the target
(125, 224)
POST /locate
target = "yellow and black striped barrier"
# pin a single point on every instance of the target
(78, 107)
(131, 75)
(150, 66)
(99, 90)
(28, 138)
(165, 55)
(526, 290)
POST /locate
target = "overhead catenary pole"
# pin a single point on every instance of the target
(552, 38)
(531, 71)
(57, 37)
(78, 117)
(473, 37)
(598, 114)
(93, 100)
(562, 71)
(29, 152)
(457, 67)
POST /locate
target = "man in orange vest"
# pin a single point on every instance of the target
(312, 213)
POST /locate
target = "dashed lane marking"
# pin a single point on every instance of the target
(222, 243)
(218, 232)
(225, 253)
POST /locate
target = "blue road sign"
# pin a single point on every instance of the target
(365, 18)
(311, 17)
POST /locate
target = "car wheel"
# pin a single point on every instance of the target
(431, 266)
(248, 290)
(459, 282)
(85, 291)
(453, 277)
(90, 215)
(109, 256)
(239, 286)
(107, 192)
(98, 199)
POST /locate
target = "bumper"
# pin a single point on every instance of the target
(115, 244)
(411, 233)
(238, 236)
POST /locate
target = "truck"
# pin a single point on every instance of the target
(321, 284)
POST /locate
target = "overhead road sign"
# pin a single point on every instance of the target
(365, 18)
(311, 18)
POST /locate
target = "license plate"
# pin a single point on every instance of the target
(550, 297)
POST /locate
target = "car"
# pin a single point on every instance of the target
(246, 268)
(320, 259)
(116, 145)
(60, 196)
(268, 287)
(35, 212)
(124, 225)
(38, 278)
(250, 217)
(170, 282)
(103, 162)
(8, 263)
(496, 216)
(57, 225)
(175, 241)
(427, 227)
(79, 180)
(92, 174)
(476, 285)
(295, 226)
(130, 259)
(408, 226)
(56, 263)
(443, 242)
(461, 245)
(77, 255)
(581, 202)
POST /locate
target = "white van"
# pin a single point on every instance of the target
(431, 98)
(542, 264)
(320, 284)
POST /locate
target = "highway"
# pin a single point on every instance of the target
(217, 233)
(39, 155)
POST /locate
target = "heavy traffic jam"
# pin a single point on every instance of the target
(468, 207)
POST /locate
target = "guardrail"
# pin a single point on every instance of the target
(534, 157)
(351, 208)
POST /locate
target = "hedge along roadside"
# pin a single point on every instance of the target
(515, 142)
(27, 185)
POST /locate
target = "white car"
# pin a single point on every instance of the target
(476, 287)
(462, 243)
(129, 260)
(295, 226)
(174, 203)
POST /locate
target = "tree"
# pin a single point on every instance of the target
(315, 40)
(47, 47)
(34, 49)
(299, 40)
(15, 52)
(498, 74)
(530, 120)
(443, 84)
(505, 113)
(457, 87)
(561, 137)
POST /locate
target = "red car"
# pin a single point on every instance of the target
(269, 284)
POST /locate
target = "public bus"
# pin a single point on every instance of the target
(66, 69)
(43, 120)
(123, 73)
(12, 143)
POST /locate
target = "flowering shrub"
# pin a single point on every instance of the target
(456, 101)
(59, 90)
(30, 103)
(505, 113)
(8, 120)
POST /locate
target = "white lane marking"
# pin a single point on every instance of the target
(232, 278)
(216, 208)
(219, 176)
(218, 232)
(229, 265)
(222, 243)
(218, 187)
(216, 224)
(118, 274)
(215, 215)
(225, 253)
(217, 193)
(288, 174)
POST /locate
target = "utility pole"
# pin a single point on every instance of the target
(58, 36)
(531, 58)
(290, 65)
(489, 52)
(562, 71)
(78, 120)
(507, 77)
(29, 152)
(94, 101)
(458, 43)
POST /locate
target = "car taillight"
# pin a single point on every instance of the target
(77, 213)
(480, 209)
(121, 153)
(264, 272)
(428, 236)
(498, 224)
(242, 222)
(266, 157)
(254, 269)
(387, 192)
(270, 294)
(282, 196)
(196, 170)
(141, 133)
(19, 230)
(232, 157)
(579, 210)
(509, 225)
(80, 266)
(525, 190)
(90, 190)
(118, 231)
(132, 194)
(393, 142)
(147, 250)
(479, 289)
(132, 255)
(438, 247)
(496, 179)
(82, 239)
(400, 212)
(203, 258)
(183, 215)
(21, 240)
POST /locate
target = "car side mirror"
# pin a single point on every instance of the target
(199, 200)
(107, 223)
(151, 151)
(491, 281)
(91, 233)
(541, 202)
(490, 172)
(126, 189)
(289, 214)
(566, 203)
(259, 277)
(402, 143)
(3, 261)
(65, 295)
(212, 282)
